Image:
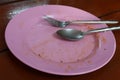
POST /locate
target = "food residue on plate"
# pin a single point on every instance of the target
(89, 62)
(68, 68)
(48, 47)
(104, 39)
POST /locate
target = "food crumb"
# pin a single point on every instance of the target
(61, 61)
(105, 49)
(89, 62)
(68, 68)
(90, 27)
(39, 55)
(78, 60)
(104, 39)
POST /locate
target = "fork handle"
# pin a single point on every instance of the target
(93, 22)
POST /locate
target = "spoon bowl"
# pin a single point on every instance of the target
(70, 34)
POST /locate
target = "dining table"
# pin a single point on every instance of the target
(12, 68)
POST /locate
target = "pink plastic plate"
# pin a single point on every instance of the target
(35, 42)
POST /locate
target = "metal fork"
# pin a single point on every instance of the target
(62, 24)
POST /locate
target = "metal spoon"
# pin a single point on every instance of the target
(72, 34)
(63, 24)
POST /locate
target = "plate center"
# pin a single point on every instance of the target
(44, 43)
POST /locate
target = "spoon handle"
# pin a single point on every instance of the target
(93, 22)
(102, 29)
